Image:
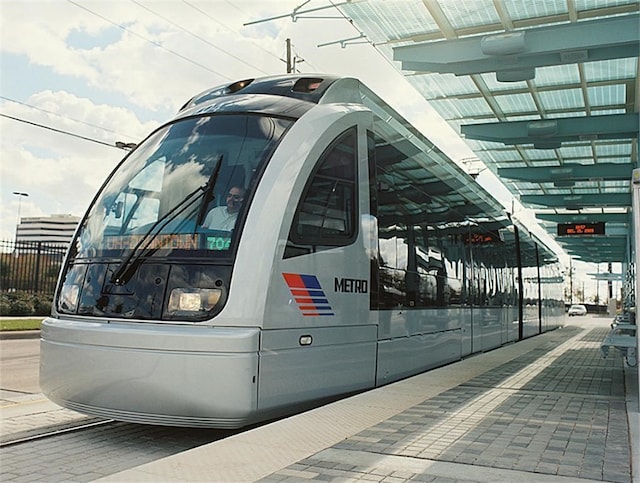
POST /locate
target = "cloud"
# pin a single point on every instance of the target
(60, 172)
(152, 57)
(136, 58)
(167, 51)
(144, 59)
(39, 29)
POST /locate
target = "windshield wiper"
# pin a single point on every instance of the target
(126, 269)
(209, 195)
(122, 274)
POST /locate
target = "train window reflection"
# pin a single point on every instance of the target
(155, 203)
(326, 214)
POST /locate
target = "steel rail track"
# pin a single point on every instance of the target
(55, 432)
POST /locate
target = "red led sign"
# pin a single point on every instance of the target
(481, 238)
(571, 229)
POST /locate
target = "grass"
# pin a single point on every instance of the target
(20, 324)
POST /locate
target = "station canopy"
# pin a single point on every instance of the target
(545, 94)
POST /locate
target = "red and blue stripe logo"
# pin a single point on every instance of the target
(308, 294)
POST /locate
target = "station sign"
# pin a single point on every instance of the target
(481, 238)
(577, 229)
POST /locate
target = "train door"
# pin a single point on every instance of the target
(318, 340)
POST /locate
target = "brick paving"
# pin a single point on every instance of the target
(555, 411)
(26, 415)
(98, 452)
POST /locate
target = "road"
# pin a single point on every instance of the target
(79, 455)
(19, 365)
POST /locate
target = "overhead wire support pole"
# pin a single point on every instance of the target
(291, 58)
(296, 14)
(344, 42)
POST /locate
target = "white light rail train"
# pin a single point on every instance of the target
(281, 242)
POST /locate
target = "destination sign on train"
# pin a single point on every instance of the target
(571, 229)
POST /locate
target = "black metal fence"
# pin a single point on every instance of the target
(30, 267)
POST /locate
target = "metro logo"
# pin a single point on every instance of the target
(308, 294)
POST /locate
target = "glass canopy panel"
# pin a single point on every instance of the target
(581, 189)
(447, 109)
(546, 162)
(607, 159)
(519, 117)
(561, 99)
(552, 189)
(608, 112)
(503, 155)
(582, 5)
(394, 19)
(469, 13)
(584, 161)
(468, 110)
(559, 115)
(473, 108)
(614, 150)
(592, 186)
(367, 22)
(489, 146)
(541, 155)
(530, 186)
(516, 103)
(519, 10)
(512, 187)
(610, 70)
(509, 164)
(617, 185)
(613, 95)
(568, 151)
(557, 75)
(434, 86)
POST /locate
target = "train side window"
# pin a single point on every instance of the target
(326, 214)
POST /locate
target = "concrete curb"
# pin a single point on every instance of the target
(20, 334)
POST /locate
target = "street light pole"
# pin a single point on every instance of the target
(20, 195)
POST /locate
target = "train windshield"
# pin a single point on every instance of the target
(182, 193)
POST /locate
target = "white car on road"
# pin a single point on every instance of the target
(577, 309)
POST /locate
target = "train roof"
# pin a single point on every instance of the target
(288, 95)
(293, 95)
(305, 88)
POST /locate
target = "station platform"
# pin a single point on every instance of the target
(547, 409)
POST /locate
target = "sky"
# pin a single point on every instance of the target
(77, 76)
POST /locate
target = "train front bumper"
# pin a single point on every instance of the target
(176, 375)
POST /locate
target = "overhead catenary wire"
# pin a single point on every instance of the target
(152, 42)
(147, 40)
(66, 117)
(156, 44)
(61, 131)
(211, 44)
(173, 52)
(227, 27)
(235, 31)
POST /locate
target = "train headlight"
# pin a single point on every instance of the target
(193, 299)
